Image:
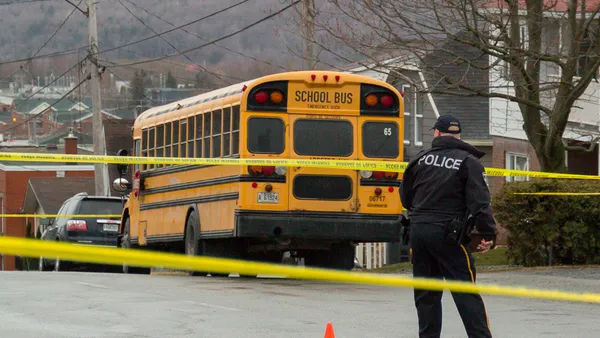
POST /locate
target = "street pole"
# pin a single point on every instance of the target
(93, 69)
(310, 53)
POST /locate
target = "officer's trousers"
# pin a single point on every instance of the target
(433, 258)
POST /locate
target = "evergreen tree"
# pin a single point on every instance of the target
(171, 82)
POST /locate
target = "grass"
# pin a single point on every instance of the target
(491, 259)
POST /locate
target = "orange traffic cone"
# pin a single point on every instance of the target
(329, 331)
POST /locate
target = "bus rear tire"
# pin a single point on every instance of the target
(192, 242)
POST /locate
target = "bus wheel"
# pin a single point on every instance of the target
(126, 244)
(192, 246)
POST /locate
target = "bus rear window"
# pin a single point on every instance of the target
(380, 139)
(266, 135)
(323, 138)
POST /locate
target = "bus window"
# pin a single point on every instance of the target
(323, 138)
(160, 142)
(168, 141)
(266, 135)
(235, 130)
(183, 137)
(137, 152)
(144, 146)
(190, 138)
(216, 133)
(380, 139)
(206, 139)
(199, 135)
(151, 145)
(175, 138)
(226, 131)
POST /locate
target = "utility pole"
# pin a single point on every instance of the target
(310, 53)
(94, 70)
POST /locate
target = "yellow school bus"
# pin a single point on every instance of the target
(259, 213)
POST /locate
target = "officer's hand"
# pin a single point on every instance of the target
(485, 246)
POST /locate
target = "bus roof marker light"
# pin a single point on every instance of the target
(371, 100)
(261, 97)
(402, 93)
(387, 101)
(276, 97)
(325, 77)
(244, 88)
(337, 78)
(313, 77)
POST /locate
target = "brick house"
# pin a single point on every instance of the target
(14, 179)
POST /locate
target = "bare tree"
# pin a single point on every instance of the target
(539, 54)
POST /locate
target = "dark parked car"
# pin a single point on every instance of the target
(101, 231)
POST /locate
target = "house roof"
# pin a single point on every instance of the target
(57, 138)
(7, 101)
(472, 111)
(118, 135)
(51, 192)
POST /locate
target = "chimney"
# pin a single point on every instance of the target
(71, 144)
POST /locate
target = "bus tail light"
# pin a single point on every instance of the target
(266, 171)
(76, 225)
(379, 175)
(366, 174)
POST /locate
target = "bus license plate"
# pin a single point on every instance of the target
(111, 227)
(268, 197)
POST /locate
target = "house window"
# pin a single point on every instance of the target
(418, 118)
(516, 161)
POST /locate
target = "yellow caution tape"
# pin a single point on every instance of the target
(331, 164)
(82, 253)
(558, 193)
(56, 215)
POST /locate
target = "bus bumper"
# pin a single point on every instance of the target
(317, 225)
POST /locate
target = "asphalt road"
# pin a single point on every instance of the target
(80, 304)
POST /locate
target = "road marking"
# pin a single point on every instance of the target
(92, 285)
(214, 306)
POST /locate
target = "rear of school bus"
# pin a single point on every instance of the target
(320, 214)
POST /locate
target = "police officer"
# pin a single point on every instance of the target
(441, 186)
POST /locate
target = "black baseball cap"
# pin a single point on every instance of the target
(448, 124)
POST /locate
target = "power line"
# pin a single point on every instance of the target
(6, 3)
(175, 28)
(51, 82)
(203, 39)
(61, 53)
(45, 43)
(219, 39)
(219, 76)
(52, 105)
(71, 51)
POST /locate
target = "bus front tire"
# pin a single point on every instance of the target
(192, 245)
(126, 244)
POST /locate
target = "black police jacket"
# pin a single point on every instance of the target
(443, 182)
